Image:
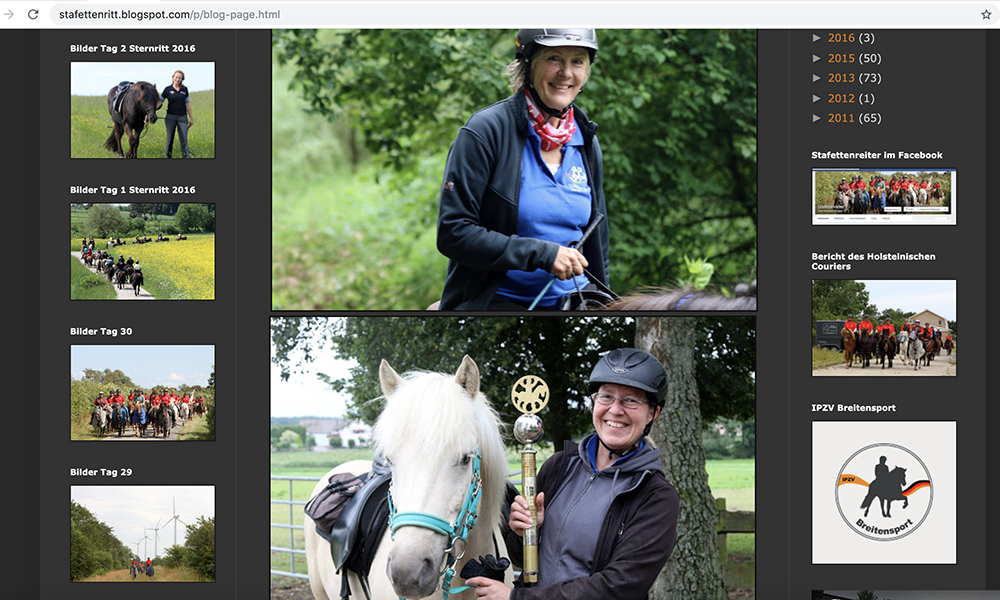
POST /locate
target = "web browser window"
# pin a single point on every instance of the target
(371, 228)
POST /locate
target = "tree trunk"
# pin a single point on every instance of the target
(693, 571)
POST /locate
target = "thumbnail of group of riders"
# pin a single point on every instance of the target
(915, 343)
(154, 414)
(882, 192)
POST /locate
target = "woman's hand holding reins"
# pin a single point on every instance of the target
(520, 518)
(569, 263)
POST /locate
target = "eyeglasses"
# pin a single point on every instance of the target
(627, 403)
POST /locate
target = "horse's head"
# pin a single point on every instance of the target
(899, 475)
(431, 430)
(147, 100)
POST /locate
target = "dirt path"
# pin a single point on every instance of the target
(941, 366)
(129, 433)
(124, 294)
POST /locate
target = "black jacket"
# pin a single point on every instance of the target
(636, 538)
(477, 216)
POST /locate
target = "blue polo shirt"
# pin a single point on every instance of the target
(554, 207)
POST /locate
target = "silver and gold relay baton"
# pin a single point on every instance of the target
(529, 395)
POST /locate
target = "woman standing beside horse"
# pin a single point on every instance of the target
(523, 181)
(606, 514)
(178, 101)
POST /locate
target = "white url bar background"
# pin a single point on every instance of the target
(411, 14)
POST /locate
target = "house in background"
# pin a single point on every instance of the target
(935, 320)
(322, 430)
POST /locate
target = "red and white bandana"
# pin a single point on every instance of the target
(552, 136)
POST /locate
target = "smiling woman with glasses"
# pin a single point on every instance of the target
(628, 402)
(606, 514)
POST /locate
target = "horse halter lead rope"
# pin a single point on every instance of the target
(456, 532)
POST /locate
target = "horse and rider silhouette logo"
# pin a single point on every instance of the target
(899, 476)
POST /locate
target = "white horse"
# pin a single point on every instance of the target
(100, 419)
(916, 352)
(902, 346)
(430, 431)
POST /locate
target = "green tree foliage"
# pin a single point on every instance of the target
(728, 438)
(104, 221)
(82, 392)
(289, 440)
(834, 299)
(199, 548)
(561, 351)
(191, 217)
(677, 114)
(288, 437)
(141, 210)
(93, 548)
(174, 556)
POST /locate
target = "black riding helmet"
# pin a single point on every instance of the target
(634, 368)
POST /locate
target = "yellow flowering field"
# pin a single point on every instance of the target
(174, 270)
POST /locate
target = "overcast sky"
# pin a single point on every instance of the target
(147, 366)
(305, 395)
(127, 509)
(97, 78)
(937, 296)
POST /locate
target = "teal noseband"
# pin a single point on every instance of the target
(457, 532)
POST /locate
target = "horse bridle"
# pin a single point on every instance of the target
(457, 532)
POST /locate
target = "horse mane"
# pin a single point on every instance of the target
(683, 299)
(452, 420)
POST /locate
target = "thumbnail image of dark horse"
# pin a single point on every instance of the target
(865, 348)
(135, 107)
(886, 347)
(887, 487)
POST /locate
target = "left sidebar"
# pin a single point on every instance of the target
(136, 167)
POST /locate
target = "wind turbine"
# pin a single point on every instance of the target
(156, 534)
(146, 547)
(174, 518)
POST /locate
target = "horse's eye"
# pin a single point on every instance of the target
(466, 459)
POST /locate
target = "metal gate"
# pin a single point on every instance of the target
(294, 515)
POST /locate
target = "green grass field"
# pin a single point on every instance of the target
(823, 358)
(84, 284)
(90, 126)
(729, 479)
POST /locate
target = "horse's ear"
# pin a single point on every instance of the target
(388, 378)
(468, 376)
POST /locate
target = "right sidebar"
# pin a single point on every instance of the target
(888, 246)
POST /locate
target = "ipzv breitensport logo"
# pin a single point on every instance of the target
(884, 492)
(578, 176)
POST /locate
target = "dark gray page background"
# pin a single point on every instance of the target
(236, 322)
